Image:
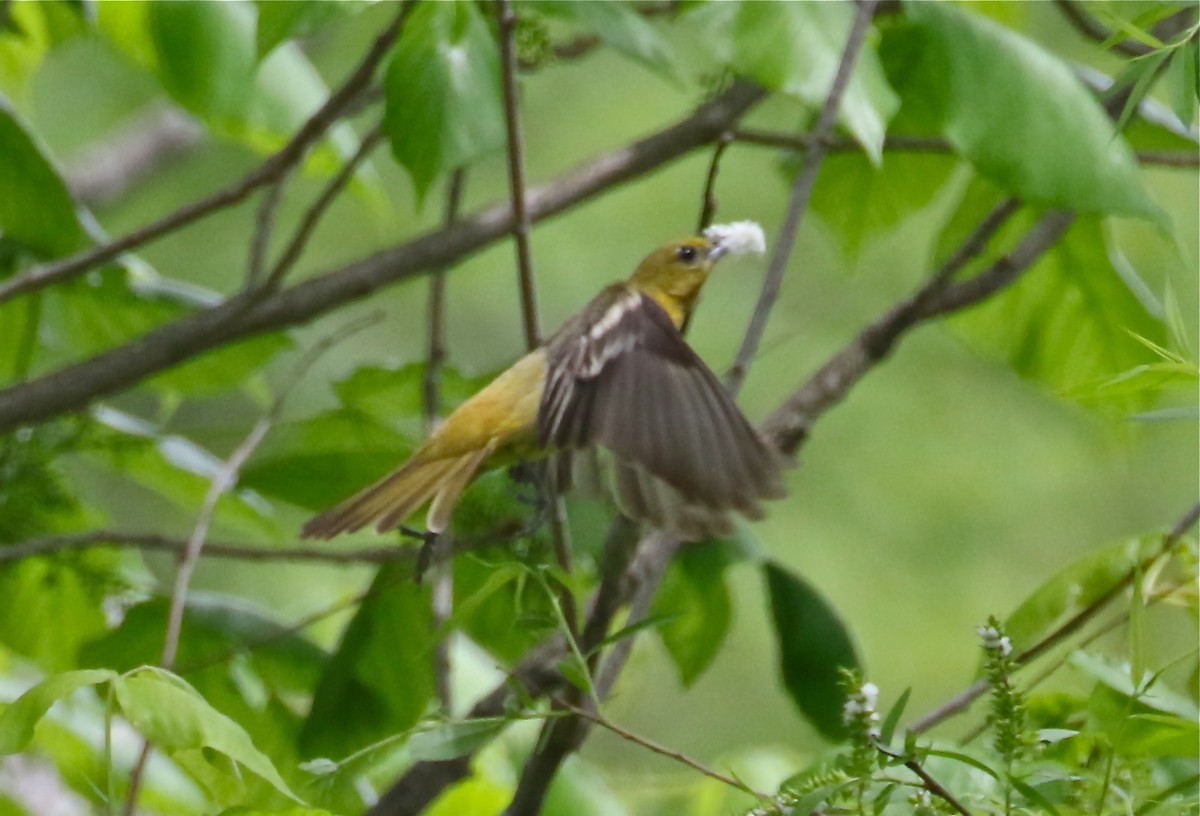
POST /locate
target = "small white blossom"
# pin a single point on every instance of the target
(859, 708)
(993, 641)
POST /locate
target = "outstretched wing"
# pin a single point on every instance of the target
(621, 376)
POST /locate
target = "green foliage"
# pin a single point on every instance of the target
(695, 603)
(814, 648)
(1021, 117)
(444, 106)
(1068, 753)
(379, 680)
(621, 27)
(36, 211)
(795, 48)
(1072, 322)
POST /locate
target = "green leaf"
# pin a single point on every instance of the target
(1183, 77)
(1021, 116)
(443, 107)
(348, 448)
(1070, 320)
(893, 717)
(1034, 796)
(17, 721)
(216, 628)
(1074, 588)
(620, 26)
(696, 600)
(28, 32)
(36, 209)
(814, 646)
(500, 610)
(1135, 728)
(1116, 676)
(50, 606)
(380, 679)
(795, 48)
(280, 20)
(884, 197)
(205, 58)
(171, 714)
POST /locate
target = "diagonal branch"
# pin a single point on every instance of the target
(269, 172)
(248, 314)
(802, 189)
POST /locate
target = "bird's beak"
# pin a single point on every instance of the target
(718, 251)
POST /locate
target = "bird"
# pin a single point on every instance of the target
(617, 395)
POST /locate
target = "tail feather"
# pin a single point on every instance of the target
(395, 497)
(452, 487)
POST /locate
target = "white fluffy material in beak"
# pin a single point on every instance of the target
(738, 238)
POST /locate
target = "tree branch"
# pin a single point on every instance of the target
(927, 144)
(248, 314)
(268, 172)
(802, 189)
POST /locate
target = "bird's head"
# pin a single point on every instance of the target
(675, 273)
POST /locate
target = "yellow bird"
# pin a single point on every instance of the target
(617, 381)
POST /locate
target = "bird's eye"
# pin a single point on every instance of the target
(687, 254)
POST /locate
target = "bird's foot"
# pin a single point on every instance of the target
(429, 544)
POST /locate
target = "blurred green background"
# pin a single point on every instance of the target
(943, 490)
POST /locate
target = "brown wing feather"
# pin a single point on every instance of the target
(621, 376)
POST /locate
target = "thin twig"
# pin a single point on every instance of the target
(708, 206)
(504, 532)
(527, 282)
(961, 701)
(442, 575)
(264, 226)
(50, 545)
(661, 750)
(316, 211)
(74, 386)
(436, 312)
(516, 174)
(269, 171)
(802, 189)
(935, 787)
